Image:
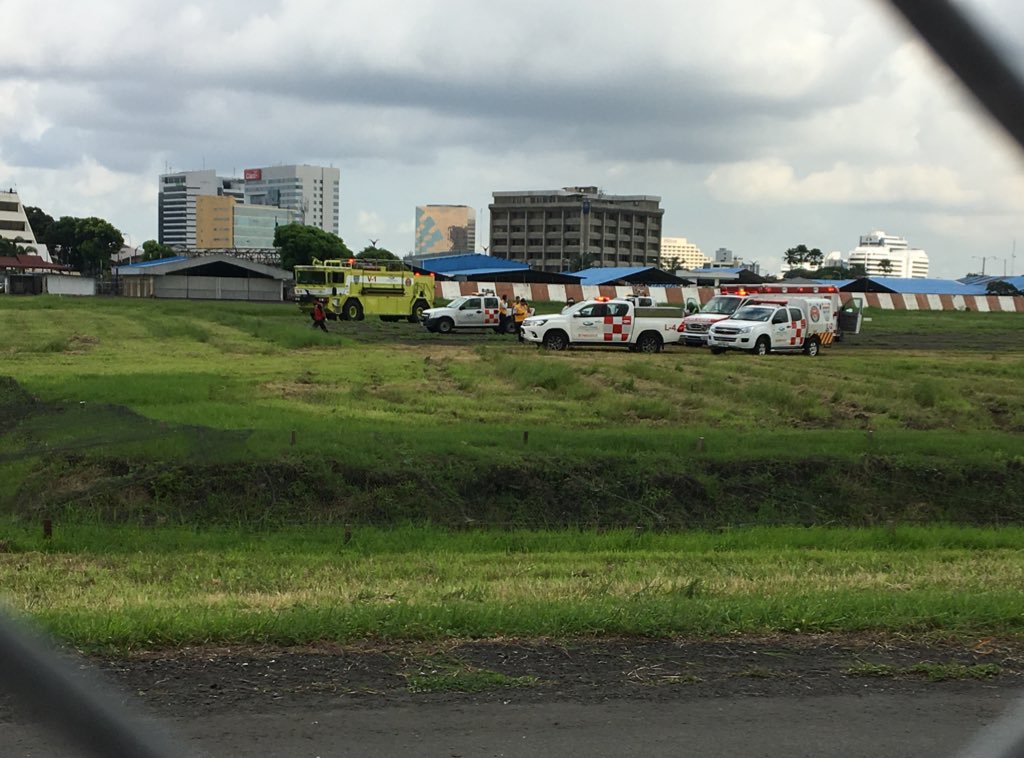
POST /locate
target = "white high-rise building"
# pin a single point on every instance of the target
(14, 225)
(176, 203)
(679, 253)
(884, 254)
(312, 193)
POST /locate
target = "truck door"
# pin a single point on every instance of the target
(798, 326)
(492, 315)
(782, 333)
(470, 313)
(588, 323)
(618, 324)
(850, 316)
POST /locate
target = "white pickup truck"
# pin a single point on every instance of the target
(602, 321)
(769, 325)
(480, 311)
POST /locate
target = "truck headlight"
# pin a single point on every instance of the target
(535, 322)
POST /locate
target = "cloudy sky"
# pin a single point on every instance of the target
(762, 124)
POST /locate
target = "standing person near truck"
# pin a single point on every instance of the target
(504, 314)
(319, 316)
(522, 310)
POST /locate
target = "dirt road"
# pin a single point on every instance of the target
(770, 697)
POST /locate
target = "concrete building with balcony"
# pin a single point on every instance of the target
(884, 254)
(680, 253)
(14, 226)
(445, 229)
(576, 227)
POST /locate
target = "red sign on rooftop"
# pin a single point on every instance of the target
(253, 174)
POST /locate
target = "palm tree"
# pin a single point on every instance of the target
(885, 266)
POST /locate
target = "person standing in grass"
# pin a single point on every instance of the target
(521, 312)
(319, 316)
(504, 314)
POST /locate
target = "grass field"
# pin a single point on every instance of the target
(141, 401)
(200, 462)
(121, 588)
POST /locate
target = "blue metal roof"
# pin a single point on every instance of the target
(925, 286)
(597, 276)
(158, 262)
(467, 264)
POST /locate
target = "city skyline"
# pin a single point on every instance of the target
(760, 125)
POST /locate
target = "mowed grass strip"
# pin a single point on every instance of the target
(122, 588)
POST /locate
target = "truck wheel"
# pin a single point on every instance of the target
(762, 346)
(352, 310)
(812, 346)
(649, 342)
(445, 325)
(417, 310)
(510, 327)
(556, 340)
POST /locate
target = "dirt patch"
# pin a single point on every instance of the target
(200, 680)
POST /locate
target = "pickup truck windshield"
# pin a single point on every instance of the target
(721, 305)
(456, 302)
(753, 313)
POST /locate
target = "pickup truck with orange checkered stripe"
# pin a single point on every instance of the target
(773, 324)
(479, 311)
(604, 321)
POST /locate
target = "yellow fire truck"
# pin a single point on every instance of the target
(353, 289)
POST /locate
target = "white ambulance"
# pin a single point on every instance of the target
(777, 324)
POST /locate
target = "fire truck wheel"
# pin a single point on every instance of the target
(649, 342)
(556, 340)
(762, 346)
(811, 348)
(352, 311)
(417, 310)
(445, 325)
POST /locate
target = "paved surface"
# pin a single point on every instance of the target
(937, 723)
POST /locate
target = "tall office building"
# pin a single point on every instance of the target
(884, 254)
(176, 203)
(14, 225)
(445, 229)
(312, 193)
(679, 253)
(554, 230)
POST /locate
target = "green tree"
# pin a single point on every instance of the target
(374, 253)
(300, 244)
(885, 266)
(154, 251)
(14, 246)
(999, 287)
(39, 221)
(796, 256)
(85, 244)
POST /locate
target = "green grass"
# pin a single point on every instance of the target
(126, 588)
(146, 405)
(933, 672)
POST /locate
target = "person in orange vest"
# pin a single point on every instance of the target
(319, 316)
(522, 310)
